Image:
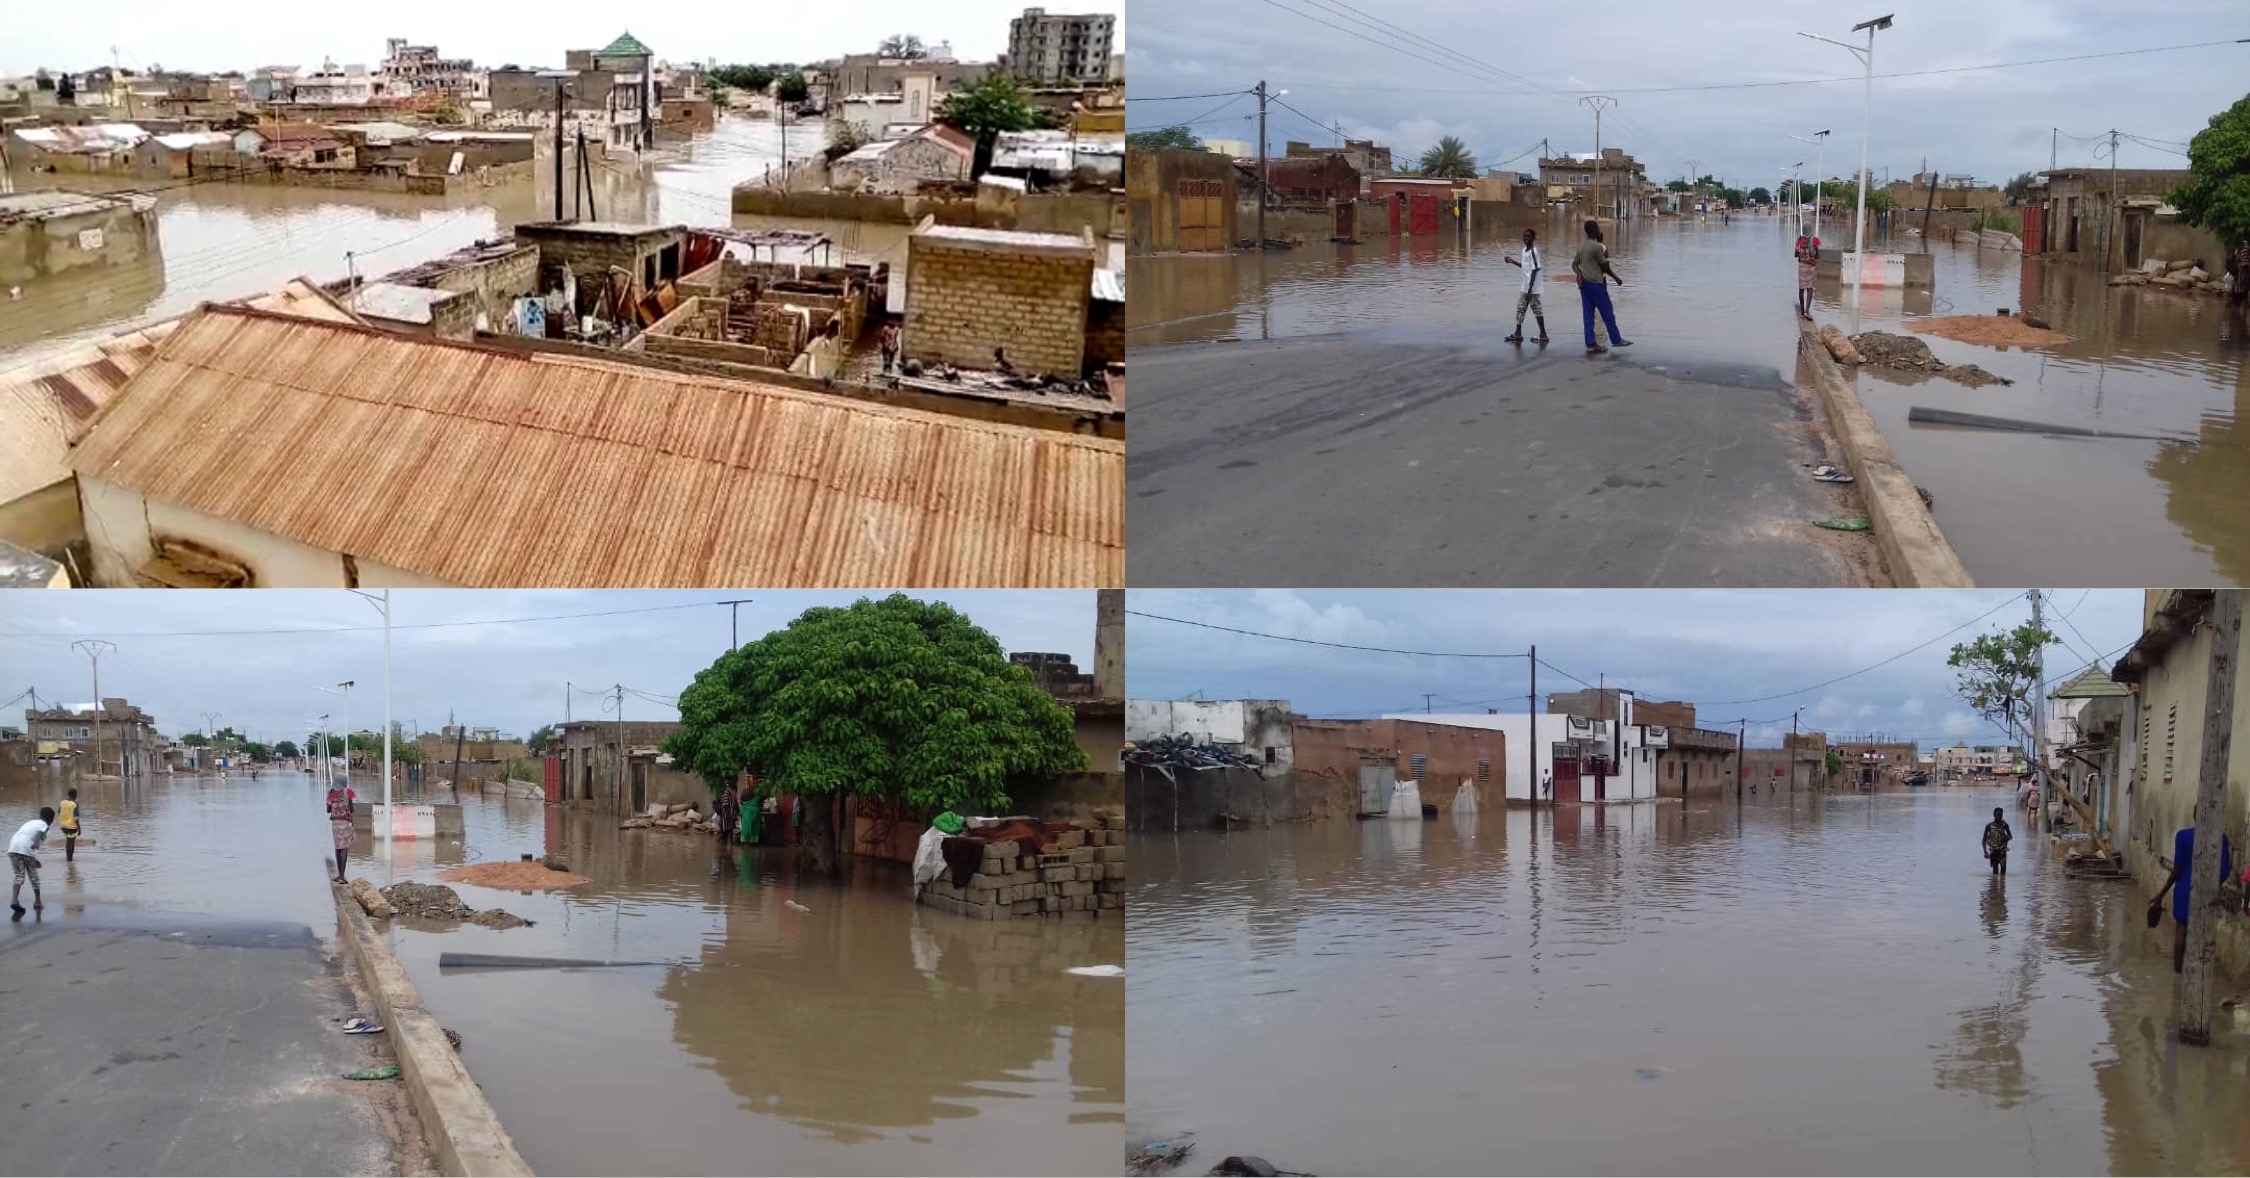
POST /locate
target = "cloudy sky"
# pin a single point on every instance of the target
(186, 36)
(507, 675)
(1400, 84)
(1722, 650)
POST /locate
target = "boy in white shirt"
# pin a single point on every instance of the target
(1534, 269)
(21, 852)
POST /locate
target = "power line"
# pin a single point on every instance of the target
(1183, 97)
(1725, 703)
(1442, 654)
(1482, 74)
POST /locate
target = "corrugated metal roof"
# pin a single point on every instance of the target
(490, 467)
(45, 406)
(1109, 286)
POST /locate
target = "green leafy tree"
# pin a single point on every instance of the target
(1835, 764)
(1179, 137)
(542, 739)
(1844, 195)
(1998, 672)
(1676, 185)
(986, 108)
(1449, 159)
(258, 752)
(2019, 189)
(196, 740)
(848, 138)
(902, 45)
(895, 698)
(2217, 194)
(1760, 195)
(287, 749)
(754, 78)
(791, 86)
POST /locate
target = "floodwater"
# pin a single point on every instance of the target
(856, 1034)
(218, 241)
(1806, 985)
(2015, 505)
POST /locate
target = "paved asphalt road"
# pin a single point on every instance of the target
(1382, 460)
(142, 1044)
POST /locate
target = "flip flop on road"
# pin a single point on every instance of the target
(1829, 474)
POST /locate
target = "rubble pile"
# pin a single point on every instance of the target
(1908, 354)
(1064, 868)
(438, 902)
(1185, 752)
(681, 816)
(2182, 274)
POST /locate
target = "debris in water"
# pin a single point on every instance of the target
(1155, 1157)
(1906, 353)
(437, 902)
(1253, 1168)
(796, 905)
(1097, 971)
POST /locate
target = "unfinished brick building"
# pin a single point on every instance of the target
(970, 291)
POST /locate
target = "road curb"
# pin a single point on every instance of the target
(1916, 553)
(464, 1131)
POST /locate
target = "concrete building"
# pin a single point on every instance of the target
(1604, 185)
(2082, 203)
(1179, 202)
(1602, 756)
(1056, 49)
(1366, 159)
(43, 234)
(594, 774)
(416, 310)
(971, 292)
(1313, 179)
(2067, 702)
(1438, 755)
(1260, 728)
(1875, 763)
(932, 154)
(297, 145)
(116, 738)
(94, 147)
(417, 69)
(1697, 762)
(591, 250)
(175, 155)
(2155, 750)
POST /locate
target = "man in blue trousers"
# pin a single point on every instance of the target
(1593, 270)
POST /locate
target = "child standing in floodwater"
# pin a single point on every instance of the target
(1997, 836)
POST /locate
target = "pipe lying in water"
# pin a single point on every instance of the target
(498, 961)
(1925, 415)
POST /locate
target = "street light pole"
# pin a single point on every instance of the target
(1866, 119)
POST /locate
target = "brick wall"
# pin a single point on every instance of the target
(1082, 870)
(1441, 756)
(494, 285)
(961, 303)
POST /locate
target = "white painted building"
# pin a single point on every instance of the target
(1614, 762)
(1260, 727)
(930, 154)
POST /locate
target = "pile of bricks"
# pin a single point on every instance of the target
(1081, 870)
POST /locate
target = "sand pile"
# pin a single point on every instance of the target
(514, 875)
(2003, 331)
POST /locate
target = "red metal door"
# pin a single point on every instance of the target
(1396, 203)
(1343, 220)
(2033, 216)
(1425, 214)
(552, 779)
(1566, 781)
(1602, 771)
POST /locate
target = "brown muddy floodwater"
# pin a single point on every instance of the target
(1818, 986)
(2017, 506)
(858, 1034)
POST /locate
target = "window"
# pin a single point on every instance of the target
(1269, 754)
(1421, 765)
(1484, 769)
(324, 155)
(2171, 735)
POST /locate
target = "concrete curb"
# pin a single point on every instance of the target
(1916, 553)
(465, 1133)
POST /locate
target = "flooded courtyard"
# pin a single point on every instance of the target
(1785, 985)
(1710, 293)
(792, 1025)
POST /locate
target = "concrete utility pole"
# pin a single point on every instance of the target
(1598, 102)
(2197, 974)
(558, 151)
(1866, 118)
(2109, 215)
(1531, 757)
(1261, 91)
(2054, 141)
(1793, 753)
(2039, 718)
(617, 786)
(92, 648)
(1741, 766)
(734, 641)
(1427, 696)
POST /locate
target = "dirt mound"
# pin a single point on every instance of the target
(436, 902)
(2004, 331)
(1912, 355)
(515, 875)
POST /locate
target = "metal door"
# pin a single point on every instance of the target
(1424, 214)
(1566, 780)
(640, 787)
(2034, 229)
(1397, 203)
(1376, 782)
(1602, 770)
(1202, 219)
(2133, 223)
(1344, 220)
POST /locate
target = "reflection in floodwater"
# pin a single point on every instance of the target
(856, 1034)
(1785, 986)
(2140, 360)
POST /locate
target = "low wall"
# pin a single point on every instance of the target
(1057, 213)
(1081, 871)
(464, 1132)
(1199, 799)
(448, 815)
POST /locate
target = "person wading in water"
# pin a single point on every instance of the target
(1592, 267)
(341, 826)
(1997, 836)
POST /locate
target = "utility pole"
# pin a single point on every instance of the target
(2196, 974)
(2038, 718)
(1741, 767)
(2109, 215)
(617, 784)
(558, 147)
(1793, 753)
(92, 648)
(1261, 91)
(735, 640)
(1427, 696)
(1598, 102)
(1532, 757)
(210, 721)
(2054, 141)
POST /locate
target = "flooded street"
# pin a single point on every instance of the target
(858, 1034)
(1713, 293)
(1818, 986)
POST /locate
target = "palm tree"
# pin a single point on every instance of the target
(1450, 159)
